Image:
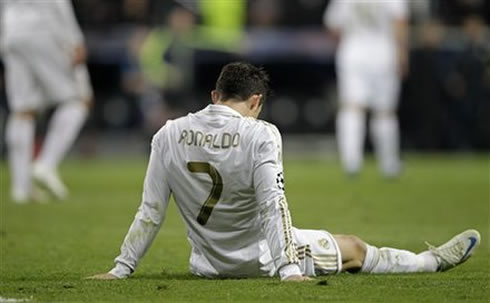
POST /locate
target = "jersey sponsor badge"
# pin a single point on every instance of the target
(324, 243)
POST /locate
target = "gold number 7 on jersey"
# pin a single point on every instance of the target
(214, 195)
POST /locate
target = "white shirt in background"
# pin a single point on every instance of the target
(31, 19)
(366, 30)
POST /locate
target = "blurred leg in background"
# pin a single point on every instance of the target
(20, 138)
(24, 100)
(384, 127)
(386, 137)
(351, 117)
(351, 131)
(64, 127)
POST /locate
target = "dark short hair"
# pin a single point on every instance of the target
(239, 80)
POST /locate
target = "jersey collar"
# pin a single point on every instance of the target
(222, 110)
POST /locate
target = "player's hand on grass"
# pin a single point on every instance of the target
(104, 276)
(297, 278)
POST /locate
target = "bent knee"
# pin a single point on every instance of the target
(359, 248)
(355, 248)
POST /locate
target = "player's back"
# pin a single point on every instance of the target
(210, 157)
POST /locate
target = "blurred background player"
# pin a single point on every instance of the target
(371, 59)
(44, 55)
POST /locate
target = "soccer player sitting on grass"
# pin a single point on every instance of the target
(224, 168)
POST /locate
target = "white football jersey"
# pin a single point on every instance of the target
(35, 19)
(366, 28)
(225, 173)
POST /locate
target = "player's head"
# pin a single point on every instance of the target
(241, 82)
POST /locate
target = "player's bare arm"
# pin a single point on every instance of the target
(79, 55)
(401, 38)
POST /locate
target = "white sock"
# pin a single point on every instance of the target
(350, 136)
(391, 260)
(63, 128)
(20, 141)
(386, 140)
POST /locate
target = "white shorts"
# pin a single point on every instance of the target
(376, 89)
(39, 74)
(318, 252)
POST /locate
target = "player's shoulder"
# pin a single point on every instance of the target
(172, 126)
(163, 129)
(269, 127)
(160, 137)
(262, 130)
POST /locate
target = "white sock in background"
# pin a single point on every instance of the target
(350, 136)
(64, 127)
(20, 141)
(391, 260)
(386, 140)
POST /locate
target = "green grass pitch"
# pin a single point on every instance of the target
(46, 250)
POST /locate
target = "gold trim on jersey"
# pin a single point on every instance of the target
(325, 261)
(290, 249)
(302, 251)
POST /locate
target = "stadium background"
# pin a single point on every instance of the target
(151, 60)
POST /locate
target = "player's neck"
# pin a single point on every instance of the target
(240, 107)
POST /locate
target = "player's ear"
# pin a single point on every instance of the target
(255, 101)
(214, 96)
